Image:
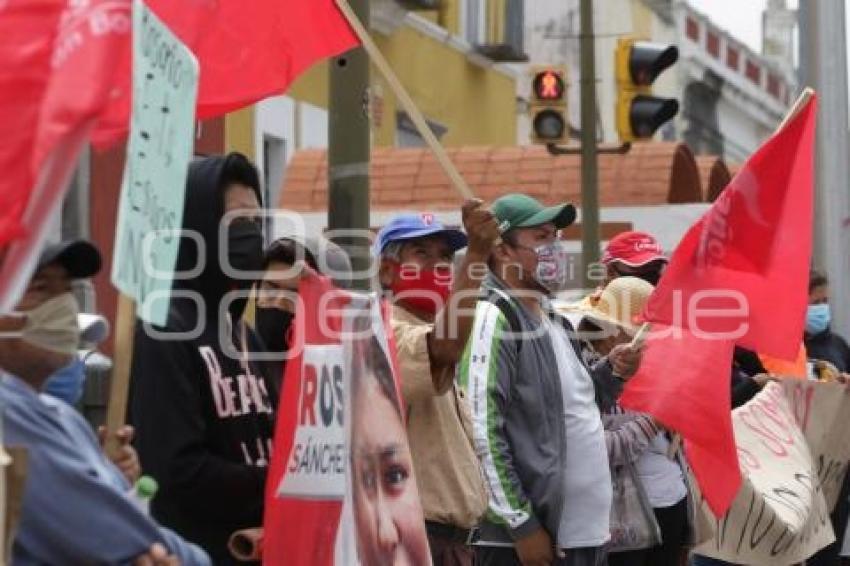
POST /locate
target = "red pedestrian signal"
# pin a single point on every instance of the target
(548, 105)
(548, 85)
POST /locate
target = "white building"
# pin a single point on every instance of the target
(731, 97)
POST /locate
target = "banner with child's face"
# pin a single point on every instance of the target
(341, 487)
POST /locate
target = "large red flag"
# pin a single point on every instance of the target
(740, 275)
(56, 64)
(247, 51)
(743, 269)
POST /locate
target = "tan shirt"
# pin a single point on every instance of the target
(450, 484)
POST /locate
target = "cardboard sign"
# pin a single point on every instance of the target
(150, 214)
(791, 456)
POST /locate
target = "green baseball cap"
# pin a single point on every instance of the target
(522, 211)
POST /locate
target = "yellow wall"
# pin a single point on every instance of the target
(239, 132)
(477, 105)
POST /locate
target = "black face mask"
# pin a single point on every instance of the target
(245, 253)
(272, 325)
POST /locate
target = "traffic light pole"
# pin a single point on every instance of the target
(348, 153)
(589, 169)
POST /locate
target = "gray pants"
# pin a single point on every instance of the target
(505, 556)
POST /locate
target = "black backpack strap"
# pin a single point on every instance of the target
(503, 302)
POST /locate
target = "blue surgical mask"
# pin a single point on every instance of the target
(67, 383)
(818, 318)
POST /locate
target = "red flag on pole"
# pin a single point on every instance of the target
(743, 269)
(247, 51)
(57, 59)
(739, 276)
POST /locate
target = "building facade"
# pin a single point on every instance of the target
(456, 61)
(731, 98)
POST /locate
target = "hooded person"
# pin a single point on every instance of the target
(203, 412)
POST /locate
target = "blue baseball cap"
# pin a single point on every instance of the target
(412, 226)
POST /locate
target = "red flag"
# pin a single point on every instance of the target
(748, 257)
(740, 275)
(694, 400)
(57, 62)
(247, 51)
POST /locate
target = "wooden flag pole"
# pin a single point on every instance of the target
(119, 386)
(406, 102)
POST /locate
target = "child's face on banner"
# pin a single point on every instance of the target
(387, 511)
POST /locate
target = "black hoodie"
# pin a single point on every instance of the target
(203, 419)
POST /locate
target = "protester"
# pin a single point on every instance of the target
(278, 289)
(639, 449)
(387, 511)
(203, 412)
(77, 507)
(634, 254)
(821, 342)
(536, 425)
(823, 345)
(59, 265)
(431, 320)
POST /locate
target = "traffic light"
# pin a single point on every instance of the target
(548, 107)
(638, 64)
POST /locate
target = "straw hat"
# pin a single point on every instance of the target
(617, 306)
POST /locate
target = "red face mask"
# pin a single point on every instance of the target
(425, 290)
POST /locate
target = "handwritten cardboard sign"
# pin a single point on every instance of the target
(793, 452)
(165, 86)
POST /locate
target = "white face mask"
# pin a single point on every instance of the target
(53, 325)
(552, 264)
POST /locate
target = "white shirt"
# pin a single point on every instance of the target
(587, 491)
(660, 476)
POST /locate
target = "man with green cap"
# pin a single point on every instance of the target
(534, 404)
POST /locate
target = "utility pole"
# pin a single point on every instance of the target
(589, 169)
(823, 66)
(349, 152)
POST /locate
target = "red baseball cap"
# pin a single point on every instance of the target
(634, 249)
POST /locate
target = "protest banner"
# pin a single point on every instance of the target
(793, 451)
(341, 454)
(150, 210)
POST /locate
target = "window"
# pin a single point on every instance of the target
(773, 86)
(712, 43)
(692, 29)
(753, 72)
(733, 58)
